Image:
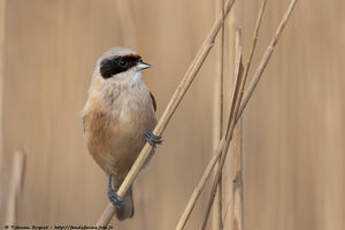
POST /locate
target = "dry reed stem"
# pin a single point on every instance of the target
(265, 59)
(254, 42)
(237, 220)
(257, 75)
(230, 128)
(191, 203)
(228, 207)
(182, 88)
(2, 57)
(192, 200)
(15, 186)
(247, 96)
(256, 78)
(218, 115)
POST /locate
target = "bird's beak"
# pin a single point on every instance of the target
(142, 65)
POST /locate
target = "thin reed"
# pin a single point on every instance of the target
(238, 171)
(237, 107)
(15, 187)
(218, 113)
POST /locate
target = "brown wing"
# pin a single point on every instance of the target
(153, 102)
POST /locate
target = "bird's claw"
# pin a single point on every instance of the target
(152, 139)
(115, 199)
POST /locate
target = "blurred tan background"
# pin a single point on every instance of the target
(292, 132)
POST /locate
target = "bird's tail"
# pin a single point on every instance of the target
(127, 210)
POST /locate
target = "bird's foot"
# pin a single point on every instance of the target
(152, 139)
(115, 199)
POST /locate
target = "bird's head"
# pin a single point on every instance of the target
(120, 62)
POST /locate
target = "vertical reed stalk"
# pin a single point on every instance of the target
(222, 145)
(246, 98)
(236, 152)
(238, 198)
(218, 116)
(237, 220)
(2, 58)
(2, 39)
(15, 186)
(197, 191)
(230, 128)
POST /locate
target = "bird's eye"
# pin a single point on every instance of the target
(122, 62)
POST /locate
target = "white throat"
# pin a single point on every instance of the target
(131, 78)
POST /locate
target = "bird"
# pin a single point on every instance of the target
(118, 119)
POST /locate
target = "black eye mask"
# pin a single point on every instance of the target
(118, 64)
